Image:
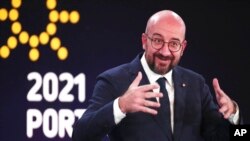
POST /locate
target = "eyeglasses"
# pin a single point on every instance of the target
(158, 43)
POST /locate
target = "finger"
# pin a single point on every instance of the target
(137, 80)
(230, 110)
(148, 87)
(227, 115)
(223, 109)
(222, 100)
(218, 91)
(153, 95)
(216, 83)
(147, 110)
(148, 103)
(226, 112)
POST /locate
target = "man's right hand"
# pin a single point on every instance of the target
(135, 99)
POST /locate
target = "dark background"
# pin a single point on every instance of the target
(109, 34)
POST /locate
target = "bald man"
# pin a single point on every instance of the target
(153, 99)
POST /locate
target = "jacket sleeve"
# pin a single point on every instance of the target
(214, 126)
(98, 119)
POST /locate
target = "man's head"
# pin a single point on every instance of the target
(164, 27)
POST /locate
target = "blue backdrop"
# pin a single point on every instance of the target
(51, 52)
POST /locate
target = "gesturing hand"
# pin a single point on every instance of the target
(227, 106)
(135, 99)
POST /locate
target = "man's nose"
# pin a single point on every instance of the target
(165, 50)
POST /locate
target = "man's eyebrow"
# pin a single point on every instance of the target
(157, 34)
(171, 39)
(176, 39)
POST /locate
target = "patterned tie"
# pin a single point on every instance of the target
(164, 110)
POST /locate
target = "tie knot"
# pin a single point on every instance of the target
(161, 81)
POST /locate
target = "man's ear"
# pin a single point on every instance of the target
(184, 45)
(143, 40)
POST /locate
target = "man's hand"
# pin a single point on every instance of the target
(135, 99)
(227, 106)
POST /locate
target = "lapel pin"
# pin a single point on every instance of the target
(183, 85)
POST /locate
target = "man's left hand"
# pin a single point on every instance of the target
(227, 106)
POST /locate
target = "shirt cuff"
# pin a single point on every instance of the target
(234, 118)
(118, 114)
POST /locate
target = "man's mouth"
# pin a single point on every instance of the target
(164, 58)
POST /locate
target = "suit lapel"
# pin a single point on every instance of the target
(180, 86)
(135, 67)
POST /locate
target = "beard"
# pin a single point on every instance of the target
(158, 67)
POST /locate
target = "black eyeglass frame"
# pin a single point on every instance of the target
(163, 44)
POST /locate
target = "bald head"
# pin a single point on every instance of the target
(166, 19)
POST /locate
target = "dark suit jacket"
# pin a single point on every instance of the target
(196, 115)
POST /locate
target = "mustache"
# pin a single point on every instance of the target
(162, 57)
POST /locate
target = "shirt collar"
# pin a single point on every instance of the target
(152, 76)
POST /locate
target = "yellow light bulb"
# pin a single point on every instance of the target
(33, 41)
(55, 43)
(3, 14)
(12, 42)
(16, 27)
(16, 3)
(64, 16)
(4, 52)
(23, 37)
(62, 53)
(44, 38)
(34, 54)
(51, 4)
(54, 16)
(51, 28)
(13, 14)
(74, 17)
